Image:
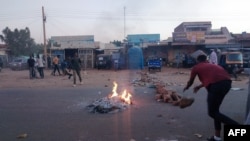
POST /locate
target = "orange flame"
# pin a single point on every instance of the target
(114, 90)
(125, 96)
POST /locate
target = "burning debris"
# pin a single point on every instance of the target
(112, 103)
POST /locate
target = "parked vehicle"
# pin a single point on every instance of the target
(116, 64)
(118, 60)
(104, 61)
(19, 63)
(231, 61)
(154, 64)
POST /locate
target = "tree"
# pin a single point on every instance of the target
(117, 43)
(19, 42)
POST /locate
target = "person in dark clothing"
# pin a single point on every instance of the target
(217, 83)
(67, 67)
(49, 62)
(1, 64)
(31, 64)
(63, 66)
(76, 67)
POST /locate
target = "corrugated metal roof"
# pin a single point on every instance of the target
(85, 41)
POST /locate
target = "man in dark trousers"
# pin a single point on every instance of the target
(76, 67)
(31, 64)
(217, 83)
(56, 62)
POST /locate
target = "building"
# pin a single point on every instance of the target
(109, 48)
(243, 39)
(142, 40)
(191, 32)
(66, 46)
(191, 36)
(150, 44)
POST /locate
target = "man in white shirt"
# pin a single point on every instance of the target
(213, 57)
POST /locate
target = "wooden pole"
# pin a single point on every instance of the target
(44, 38)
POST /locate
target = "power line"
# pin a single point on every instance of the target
(107, 15)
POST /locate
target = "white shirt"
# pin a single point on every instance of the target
(213, 58)
(40, 62)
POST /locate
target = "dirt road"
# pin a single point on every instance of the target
(95, 78)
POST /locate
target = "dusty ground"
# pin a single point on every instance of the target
(95, 78)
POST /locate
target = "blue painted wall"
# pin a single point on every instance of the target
(138, 39)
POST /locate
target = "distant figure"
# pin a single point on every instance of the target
(185, 60)
(49, 61)
(40, 66)
(56, 65)
(31, 64)
(76, 67)
(36, 68)
(66, 65)
(179, 59)
(213, 57)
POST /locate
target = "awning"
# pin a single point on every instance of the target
(222, 46)
(197, 53)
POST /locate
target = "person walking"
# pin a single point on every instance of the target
(40, 66)
(31, 64)
(56, 65)
(217, 83)
(76, 67)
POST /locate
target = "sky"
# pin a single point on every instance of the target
(110, 20)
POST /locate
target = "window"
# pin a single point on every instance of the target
(234, 57)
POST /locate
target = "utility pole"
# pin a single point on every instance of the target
(124, 22)
(44, 38)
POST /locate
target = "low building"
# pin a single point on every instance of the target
(142, 40)
(243, 39)
(66, 46)
(191, 36)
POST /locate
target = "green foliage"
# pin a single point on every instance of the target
(19, 42)
(117, 43)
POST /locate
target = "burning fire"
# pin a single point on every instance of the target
(125, 96)
(112, 103)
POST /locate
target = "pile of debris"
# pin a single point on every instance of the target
(170, 96)
(108, 105)
(144, 79)
(163, 94)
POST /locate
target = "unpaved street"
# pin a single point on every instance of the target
(50, 109)
(94, 78)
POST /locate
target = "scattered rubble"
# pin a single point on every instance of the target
(22, 136)
(112, 104)
(107, 105)
(162, 93)
(198, 135)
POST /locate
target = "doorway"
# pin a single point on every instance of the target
(70, 52)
